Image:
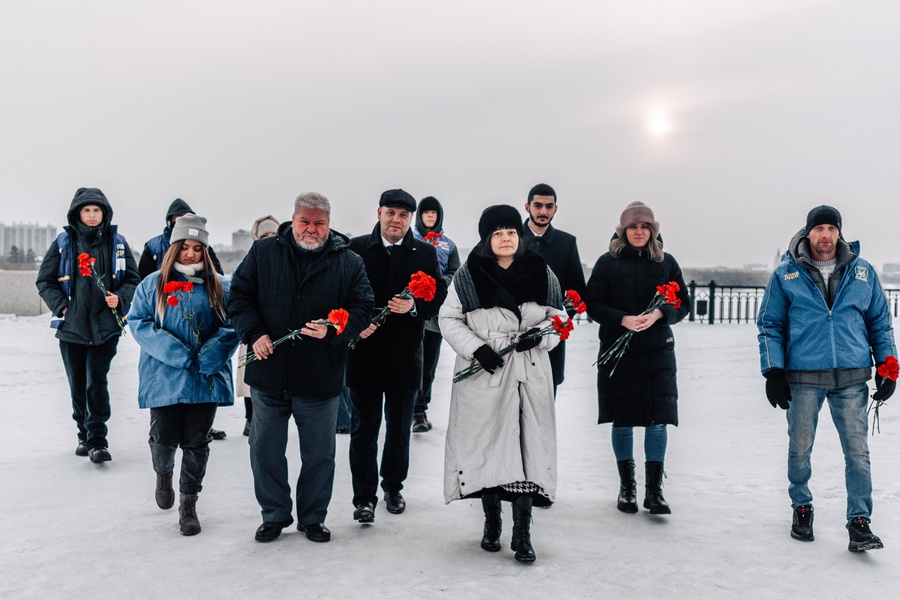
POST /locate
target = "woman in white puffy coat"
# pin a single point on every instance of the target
(501, 438)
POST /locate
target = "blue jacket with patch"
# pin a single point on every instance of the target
(824, 335)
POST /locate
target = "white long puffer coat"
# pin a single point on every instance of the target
(503, 426)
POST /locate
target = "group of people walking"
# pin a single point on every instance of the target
(306, 294)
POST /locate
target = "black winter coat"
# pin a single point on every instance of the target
(270, 295)
(88, 319)
(642, 390)
(390, 360)
(560, 251)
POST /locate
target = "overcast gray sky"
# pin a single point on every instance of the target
(729, 118)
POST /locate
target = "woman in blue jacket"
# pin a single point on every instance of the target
(178, 318)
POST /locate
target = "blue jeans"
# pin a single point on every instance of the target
(315, 421)
(656, 438)
(398, 415)
(848, 411)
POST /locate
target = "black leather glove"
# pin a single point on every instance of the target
(489, 360)
(884, 388)
(527, 344)
(777, 389)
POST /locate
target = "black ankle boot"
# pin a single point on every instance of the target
(653, 499)
(490, 502)
(627, 502)
(521, 541)
(165, 495)
(187, 515)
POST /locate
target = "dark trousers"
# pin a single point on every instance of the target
(315, 421)
(87, 368)
(558, 365)
(366, 422)
(185, 425)
(431, 350)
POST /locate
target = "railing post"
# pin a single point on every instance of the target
(712, 302)
(692, 287)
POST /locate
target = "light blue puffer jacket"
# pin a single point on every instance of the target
(172, 368)
(799, 332)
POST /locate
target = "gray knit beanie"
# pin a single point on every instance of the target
(190, 227)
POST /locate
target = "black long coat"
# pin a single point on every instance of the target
(270, 294)
(88, 319)
(643, 389)
(560, 251)
(390, 360)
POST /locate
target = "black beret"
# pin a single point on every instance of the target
(398, 198)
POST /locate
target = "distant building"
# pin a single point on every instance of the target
(241, 240)
(892, 269)
(25, 237)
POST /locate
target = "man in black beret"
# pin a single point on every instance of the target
(384, 371)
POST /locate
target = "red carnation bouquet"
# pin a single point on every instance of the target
(337, 318)
(421, 286)
(665, 294)
(573, 302)
(86, 268)
(557, 326)
(433, 238)
(889, 369)
(181, 291)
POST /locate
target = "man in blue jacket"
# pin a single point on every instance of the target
(824, 317)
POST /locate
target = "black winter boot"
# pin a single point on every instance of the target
(653, 498)
(187, 515)
(521, 539)
(627, 502)
(490, 502)
(165, 495)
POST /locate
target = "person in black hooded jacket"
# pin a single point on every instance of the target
(155, 248)
(88, 331)
(430, 221)
(641, 390)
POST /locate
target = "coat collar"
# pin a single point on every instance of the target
(528, 234)
(408, 241)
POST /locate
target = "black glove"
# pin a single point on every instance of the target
(884, 388)
(526, 343)
(777, 389)
(488, 359)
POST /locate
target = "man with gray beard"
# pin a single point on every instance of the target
(288, 282)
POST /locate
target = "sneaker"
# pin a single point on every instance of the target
(81, 449)
(421, 424)
(802, 528)
(217, 434)
(861, 537)
(99, 455)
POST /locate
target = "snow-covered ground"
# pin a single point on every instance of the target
(73, 529)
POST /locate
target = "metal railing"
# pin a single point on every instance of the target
(740, 303)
